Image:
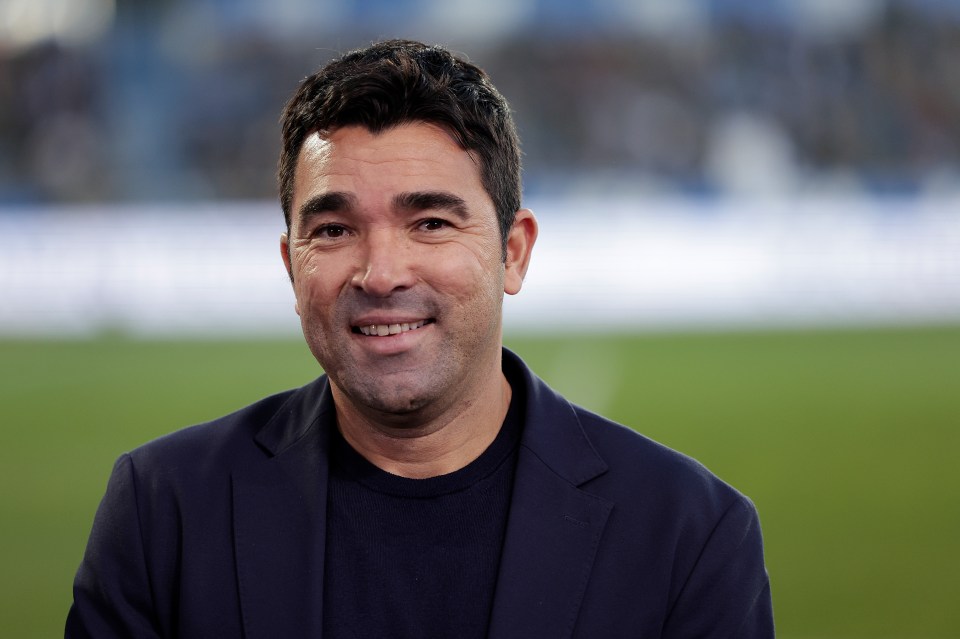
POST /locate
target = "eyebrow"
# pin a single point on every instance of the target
(338, 201)
(432, 200)
(327, 203)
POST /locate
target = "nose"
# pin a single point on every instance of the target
(386, 265)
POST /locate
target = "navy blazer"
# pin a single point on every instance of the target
(218, 531)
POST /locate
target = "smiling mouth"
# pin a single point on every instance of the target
(383, 330)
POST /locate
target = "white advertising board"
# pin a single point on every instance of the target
(214, 269)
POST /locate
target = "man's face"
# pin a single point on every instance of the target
(396, 260)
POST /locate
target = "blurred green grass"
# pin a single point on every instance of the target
(846, 440)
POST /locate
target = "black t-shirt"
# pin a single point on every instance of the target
(415, 558)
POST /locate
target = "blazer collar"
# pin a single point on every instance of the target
(296, 417)
(552, 430)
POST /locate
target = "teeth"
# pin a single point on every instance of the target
(382, 330)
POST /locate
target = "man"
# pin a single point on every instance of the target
(428, 485)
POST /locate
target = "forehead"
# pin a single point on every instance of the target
(408, 157)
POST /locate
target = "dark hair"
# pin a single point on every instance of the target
(399, 81)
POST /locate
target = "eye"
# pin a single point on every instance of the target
(330, 231)
(433, 224)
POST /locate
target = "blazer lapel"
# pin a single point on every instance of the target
(554, 527)
(279, 529)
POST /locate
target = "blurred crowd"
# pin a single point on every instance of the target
(177, 100)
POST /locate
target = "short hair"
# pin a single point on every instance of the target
(400, 81)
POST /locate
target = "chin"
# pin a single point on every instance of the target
(390, 401)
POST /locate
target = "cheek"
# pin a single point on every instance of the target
(314, 294)
(476, 258)
(318, 279)
(467, 279)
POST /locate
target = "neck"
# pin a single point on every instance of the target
(421, 447)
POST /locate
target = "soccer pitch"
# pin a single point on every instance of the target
(847, 441)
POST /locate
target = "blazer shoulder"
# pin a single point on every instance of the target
(639, 466)
(230, 439)
(613, 461)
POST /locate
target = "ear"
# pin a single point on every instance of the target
(520, 242)
(285, 256)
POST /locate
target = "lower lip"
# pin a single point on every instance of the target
(392, 344)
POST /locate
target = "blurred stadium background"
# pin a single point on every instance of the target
(750, 250)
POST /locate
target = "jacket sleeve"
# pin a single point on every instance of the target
(111, 592)
(727, 594)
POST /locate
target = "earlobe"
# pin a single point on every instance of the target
(520, 241)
